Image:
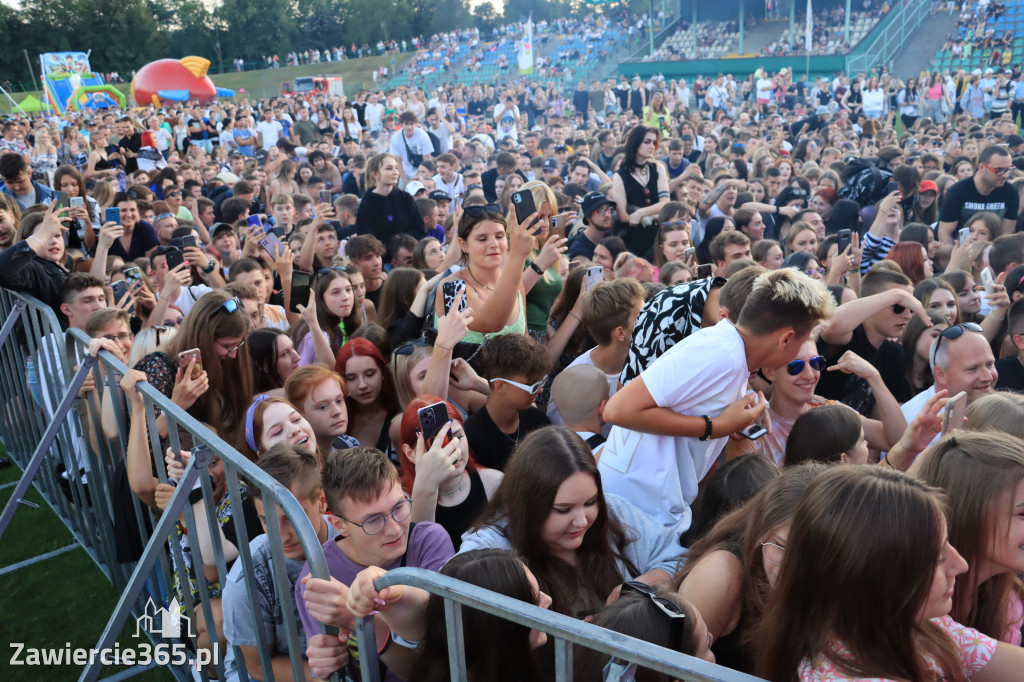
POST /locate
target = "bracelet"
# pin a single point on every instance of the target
(536, 268)
(885, 458)
(210, 267)
(403, 642)
(32, 236)
(707, 427)
(578, 318)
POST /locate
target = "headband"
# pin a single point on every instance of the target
(250, 437)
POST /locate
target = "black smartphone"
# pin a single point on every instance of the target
(432, 420)
(524, 205)
(892, 187)
(450, 290)
(175, 242)
(112, 215)
(119, 288)
(189, 240)
(754, 431)
(703, 271)
(845, 237)
(300, 290)
(63, 200)
(174, 259)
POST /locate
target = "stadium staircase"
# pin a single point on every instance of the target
(919, 53)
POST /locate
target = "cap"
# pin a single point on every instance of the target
(414, 186)
(593, 201)
(439, 195)
(349, 138)
(561, 148)
(928, 186)
(550, 165)
(227, 177)
(789, 194)
(219, 229)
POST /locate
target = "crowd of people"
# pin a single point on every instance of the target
(737, 375)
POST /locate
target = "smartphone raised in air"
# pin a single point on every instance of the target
(300, 290)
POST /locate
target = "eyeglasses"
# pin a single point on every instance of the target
(952, 333)
(664, 604)
(478, 210)
(535, 388)
(408, 348)
(998, 171)
(123, 336)
(231, 305)
(230, 350)
(605, 208)
(172, 194)
(773, 552)
(817, 363)
(815, 271)
(373, 525)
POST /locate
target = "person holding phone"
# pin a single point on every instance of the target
(35, 264)
(446, 484)
(639, 187)
(542, 276)
(329, 318)
(494, 257)
(85, 211)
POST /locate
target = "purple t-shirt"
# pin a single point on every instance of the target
(429, 547)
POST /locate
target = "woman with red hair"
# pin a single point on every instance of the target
(446, 484)
(823, 200)
(913, 260)
(372, 400)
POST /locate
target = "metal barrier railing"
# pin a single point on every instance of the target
(53, 425)
(564, 630)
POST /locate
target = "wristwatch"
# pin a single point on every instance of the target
(536, 268)
(211, 265)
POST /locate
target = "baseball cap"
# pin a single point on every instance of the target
(928, 186)
(593, 201)
(439, 195)
(219, 229)
(550, 165)
(414, 186)
(227, 177)
(561, 148)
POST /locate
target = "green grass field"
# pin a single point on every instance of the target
(259, 84)
(57, 601)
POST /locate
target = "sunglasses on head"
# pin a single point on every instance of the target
(408, 348)
(952, 333)
(817, 363)
(231, 305)
(478, 210)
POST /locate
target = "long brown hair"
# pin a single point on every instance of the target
(230, 393)
(536, 469)
(850, 574)
(329, 322)
(742, 531)
(976, 470)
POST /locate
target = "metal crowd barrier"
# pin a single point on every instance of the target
(54, 426)
(44, 424)
(563, 630)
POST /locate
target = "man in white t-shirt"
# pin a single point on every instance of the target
(269, 129)
(671, 423)
(411, 145)
(506, 118)
(374, 113)
(765, 85)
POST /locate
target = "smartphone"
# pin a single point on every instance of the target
(965, 234)
(523, 202)
(432, 420)
(892, 187)
(325, 196)
(754, 431)
(558, 225)
(77, 202)
(704, 271)
(954, 416)
(189, 240)
(594, 275)
(988, 281)
(63, 201)
(112, 215)
(690, 252)
(954, 136)
(300, 290)
(254, 221)
(450, 290)
(174, 259)
(186, 356)
(132, 276)
(175, 242)
(270, 242)
(845, 237)
(119, 289)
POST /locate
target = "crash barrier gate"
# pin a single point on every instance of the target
(58, 441)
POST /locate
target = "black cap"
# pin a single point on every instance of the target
(439, 195)
(219, 229)
(550, 165)
(593, 201)
(561, 148)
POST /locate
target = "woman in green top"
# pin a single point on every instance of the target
(542, 278)
(494, 287)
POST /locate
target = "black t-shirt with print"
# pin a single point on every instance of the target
(850, 389)
(963, 200)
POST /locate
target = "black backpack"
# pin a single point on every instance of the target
(865, 181)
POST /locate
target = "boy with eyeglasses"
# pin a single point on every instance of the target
(515, 366)
(986, 190)
(371, 513)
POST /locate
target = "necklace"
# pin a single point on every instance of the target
(515, 441)
(470, 271)
(449, 493)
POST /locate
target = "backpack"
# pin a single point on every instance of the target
(435, 141)
(865, 181)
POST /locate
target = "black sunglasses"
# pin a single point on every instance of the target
(408, 348)
(817, 363)
(952, 333)
(478, 210)
(663, 604)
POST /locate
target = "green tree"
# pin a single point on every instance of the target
(256, 28)
(486, 17)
